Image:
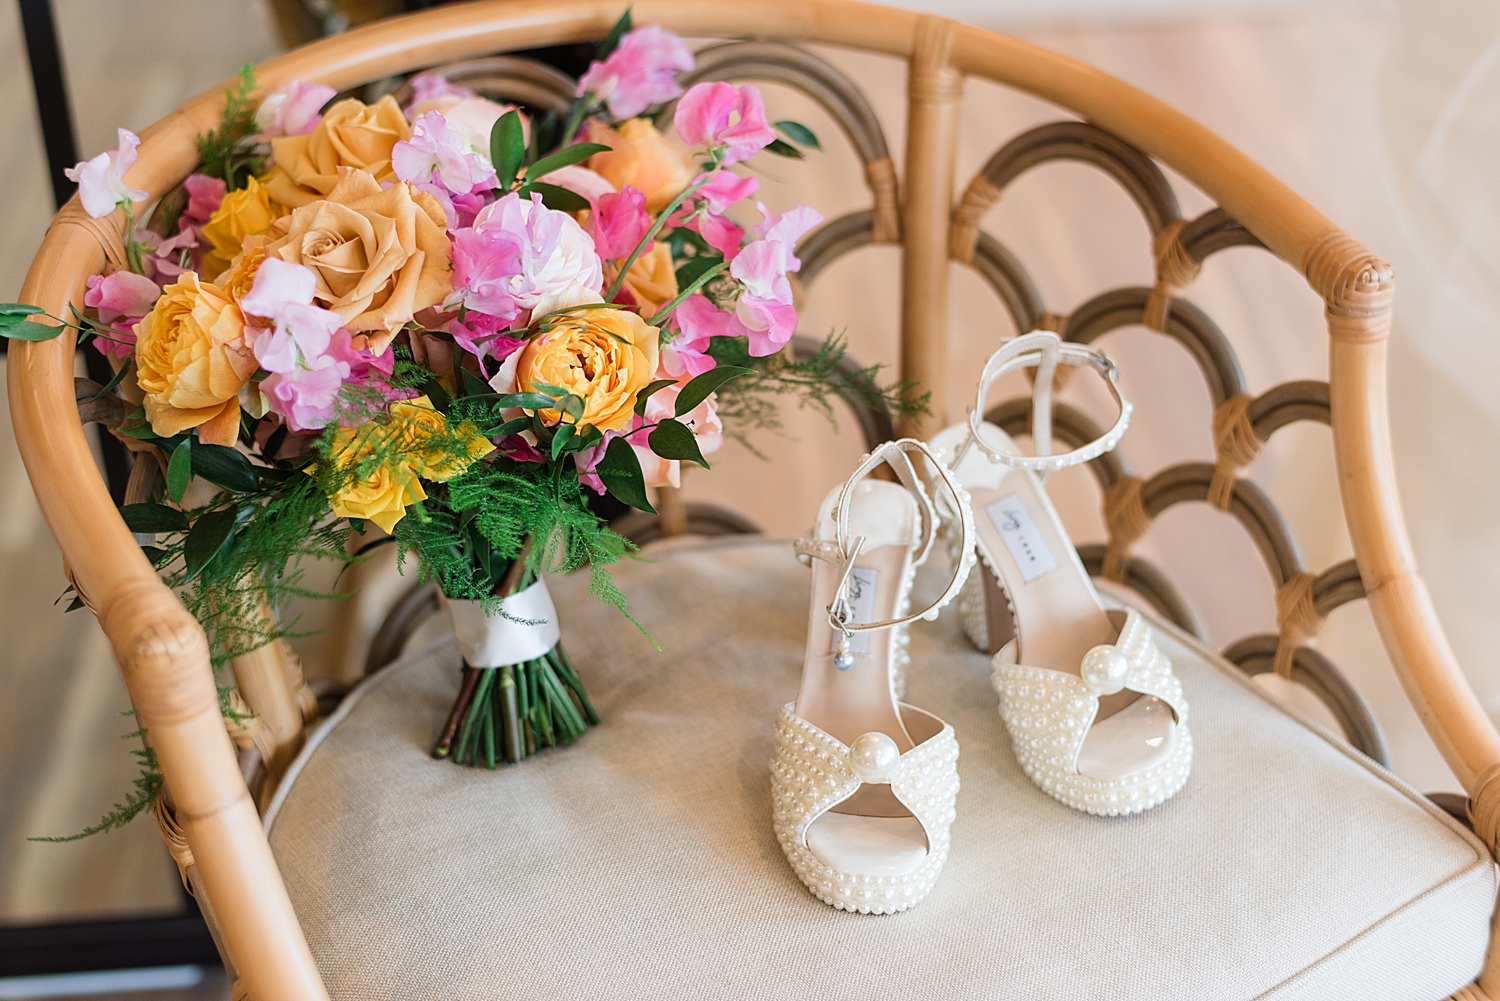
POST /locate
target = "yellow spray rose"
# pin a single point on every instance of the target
(655, 165)
(248, 211)
(191, 360)
(352, 134)
(408, 454)
(603, 356)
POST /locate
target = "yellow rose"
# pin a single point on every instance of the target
(381, 492)
(643, 158)
(651, 280)
(242, 213)
(375, 492)
(350, 135)
(379, 255)
(604, 356)
(191, 360)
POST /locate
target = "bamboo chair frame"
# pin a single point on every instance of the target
(214, 828)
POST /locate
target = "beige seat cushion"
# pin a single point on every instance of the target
(640, 863)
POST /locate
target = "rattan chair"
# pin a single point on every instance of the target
(210, 818)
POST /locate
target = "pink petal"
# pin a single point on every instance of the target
(277, 283)
(704, 112)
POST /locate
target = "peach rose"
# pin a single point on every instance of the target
(191, 360)
(352, 134)
(603, 356)
(246, 212)
(379, 255)
(643, 158)
(238, 279)
(651, 280)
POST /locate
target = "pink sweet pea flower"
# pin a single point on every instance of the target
(640, 72)
(101, 181)
(586, 460)
(292, 110)
(437, 154)
(205, 194)
(718, 232)
(306, 376)
(121, 298)
(763, 265)
(483, 335)
(685, 355)
(619, 221)
(431, 86)
(721, 114)
(164, 260)
(724, 189)
(766, 325)
(486, 264)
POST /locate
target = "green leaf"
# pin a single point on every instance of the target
(180, 470)
(674, 440)
(783, 148)
(515, 426)
(621, 472)
(473, 385)
(75, 605)
(115, 381)
(206, 538)
(573, 406)
(695, 268)
(798, 133)
(30, 330)
(565, 157)
(561, 439)
(20, 309)
(152, 519)
(441, 401)
(650, 391)
(553, 392)
(612, 40)
(507, 148)
(527, 401)
(224, 467)
(697, 391)
(156, 555)
(558, 198)
(142, 432)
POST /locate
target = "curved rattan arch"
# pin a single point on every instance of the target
(508, 79)
(162, 651)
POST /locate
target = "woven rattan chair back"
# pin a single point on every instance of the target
(211, 821)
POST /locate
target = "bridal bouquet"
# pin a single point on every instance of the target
(454, 322)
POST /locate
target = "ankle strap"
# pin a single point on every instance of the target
(1044, 350)
(843, 550)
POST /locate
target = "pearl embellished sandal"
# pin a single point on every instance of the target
(863, 785)
(1095, 714)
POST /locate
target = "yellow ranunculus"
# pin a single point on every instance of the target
(651, 281)
(655, 165)
(414, 446)
(352, 134)
(248, 211)
(604, 356)
(191, 360)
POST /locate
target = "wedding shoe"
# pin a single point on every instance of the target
(1095, 714)
(863, 785)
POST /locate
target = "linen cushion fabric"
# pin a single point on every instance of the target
(641, 862)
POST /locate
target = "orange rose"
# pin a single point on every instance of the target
(350, 135)
(379, 255)
(604, 356)
(651, 280)
(238, 279)
(643, 158)
(191, 360)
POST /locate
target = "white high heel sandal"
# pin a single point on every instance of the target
(1095, 714)
(863, 785)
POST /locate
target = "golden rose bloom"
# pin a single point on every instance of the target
(384, 490)
(191, 361)
(604, 356)
(239, 278)
(242, 213)
(655, 165)
(352, 134)
(651, 281)
(419, 422)
(379, 255)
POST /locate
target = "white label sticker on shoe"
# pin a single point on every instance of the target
(861, 595)
(1022, 538)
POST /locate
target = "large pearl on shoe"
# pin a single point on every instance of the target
(873, 756)
(1105, 669)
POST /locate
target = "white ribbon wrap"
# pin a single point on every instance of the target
(495, 640)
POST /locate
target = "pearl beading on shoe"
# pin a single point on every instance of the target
(812, 771)
(1049, 713)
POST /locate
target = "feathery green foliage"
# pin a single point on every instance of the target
(147, 786)
(229, 151)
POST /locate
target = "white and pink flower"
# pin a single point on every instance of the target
(101, 181)
(292, 110)
(640, 72)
